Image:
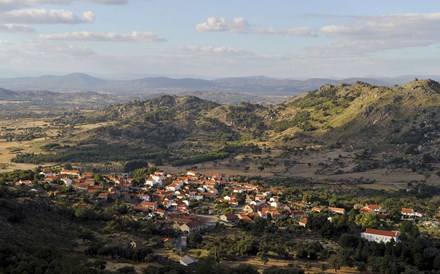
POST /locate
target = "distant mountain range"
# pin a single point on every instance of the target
(255, 85)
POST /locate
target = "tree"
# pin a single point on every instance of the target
(140, 174)
(127, 270)
(409, 231)
(245, 269)
(348, 240)
(361, 266)
(335, 262)
(301, 253)
(100, 264)
(263, 257)
(84, 211)
(136, 164)
(278, 270)
(367, 220)
(98, 177)
(194, 239)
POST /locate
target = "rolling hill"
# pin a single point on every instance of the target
(403, 121)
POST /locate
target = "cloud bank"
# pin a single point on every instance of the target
(45, 16)
(241, 25)
(394, 31)
(16, 28)
(108, 36)
(238, 24)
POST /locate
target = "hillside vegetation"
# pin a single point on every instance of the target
(403, 120)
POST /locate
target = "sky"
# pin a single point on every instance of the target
(212, 39)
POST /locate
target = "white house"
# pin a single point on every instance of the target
(195, 196)
(154, 180)
(25, 183)
(258, 202)
(173, 187)
(67, 181)
(192, 173)
(187, 260)
(410, 214)
(377, 235)
(73, 172)
(336, 210)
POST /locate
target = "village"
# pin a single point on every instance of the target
(193, 203)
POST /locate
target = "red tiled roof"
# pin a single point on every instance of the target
(407, 210)
(303, 221)
(73, 171)
(245, 218)
(298, 212)
(382, 232)
(365, 209)
(336, 209)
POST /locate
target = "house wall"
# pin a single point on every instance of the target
(377, 238)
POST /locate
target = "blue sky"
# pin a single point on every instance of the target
(212, 39)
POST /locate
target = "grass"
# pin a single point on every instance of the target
(198, 253)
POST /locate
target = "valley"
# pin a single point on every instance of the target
(344, 132)
(138, 185)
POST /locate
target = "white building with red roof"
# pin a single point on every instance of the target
(25, 183)
(73, 172)
(410, 214)
(378, 235)
(373, 209)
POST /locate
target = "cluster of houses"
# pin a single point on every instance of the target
(168, 199)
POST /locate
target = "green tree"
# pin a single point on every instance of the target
(335, 262)
(98, 177)
(367, 220)
(409, 231)
(140, 174)
(245, 269)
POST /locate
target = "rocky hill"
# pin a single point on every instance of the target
(403, 120)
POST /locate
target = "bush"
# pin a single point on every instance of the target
(127, 269)
(201, 158)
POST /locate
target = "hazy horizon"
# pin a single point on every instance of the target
(135, 76)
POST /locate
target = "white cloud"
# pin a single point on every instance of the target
(384, 32)
(304, 31)
(32, 2)
(14, 28)
(108, 2)
(108, 36)
(41, 2)
(44, 16)
(6, 5)
(238, 24)
(88, 16)
(209, 49)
